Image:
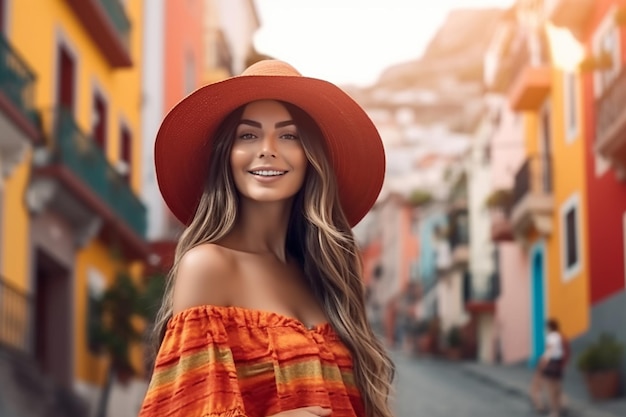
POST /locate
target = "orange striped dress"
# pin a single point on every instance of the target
(237, 362)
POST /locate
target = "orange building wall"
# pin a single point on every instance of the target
(183, 42)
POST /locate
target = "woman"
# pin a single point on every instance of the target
(550, 371)
(552, 366)
(264, 313)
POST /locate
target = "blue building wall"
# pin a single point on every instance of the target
(427, 254)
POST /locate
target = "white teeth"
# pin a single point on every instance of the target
(268, 173)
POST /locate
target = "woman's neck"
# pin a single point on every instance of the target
(261, 228)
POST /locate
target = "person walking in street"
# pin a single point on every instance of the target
(549, 373)
(264, 311)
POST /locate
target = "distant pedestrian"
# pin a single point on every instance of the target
(550, 370)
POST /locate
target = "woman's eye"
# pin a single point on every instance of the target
(290, 136)
(246, 136)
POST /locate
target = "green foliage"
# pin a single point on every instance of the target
(112, 327)
(499, 198)
(420, 197)
(151, 296)
(602, 355)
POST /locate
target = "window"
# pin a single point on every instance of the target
(66, 78)
(545, 146)
(570, 90)
(125, 160)
(570, 225)
(606, 42)
(571, 237)
(2, 16)
(99, 121)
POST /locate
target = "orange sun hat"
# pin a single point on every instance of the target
(184, 141)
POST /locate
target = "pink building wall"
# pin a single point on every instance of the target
(512, 318)
(513, 306)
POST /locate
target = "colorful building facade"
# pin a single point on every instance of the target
(71, 218)
(564, 225)
(602, 85)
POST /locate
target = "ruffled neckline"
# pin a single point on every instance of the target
(247, 317)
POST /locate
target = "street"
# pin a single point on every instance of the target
(431, 388)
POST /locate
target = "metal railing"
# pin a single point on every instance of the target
(489, 293)
(81, 155)
(17, 81)
(16, 314)
(534, 176)
(115, 10)
(610, 106)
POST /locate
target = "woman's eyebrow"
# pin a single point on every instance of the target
(250, 123)
(257, 124)
(285, 123)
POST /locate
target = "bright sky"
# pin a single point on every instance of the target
(352, 41)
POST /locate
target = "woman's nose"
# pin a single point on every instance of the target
(268, 147)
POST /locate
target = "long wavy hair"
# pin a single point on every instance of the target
(319, 237)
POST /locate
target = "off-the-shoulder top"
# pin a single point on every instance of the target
(236, 362)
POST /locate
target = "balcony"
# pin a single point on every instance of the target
(15, 318)
(571, 14)
(611, 123)
(73, 177)
(533, 200)
(109, 27)
(480, 296)
(530, 78)
(18, 118)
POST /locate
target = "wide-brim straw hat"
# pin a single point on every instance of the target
(184, 141)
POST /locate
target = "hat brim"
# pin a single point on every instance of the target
(183, 143)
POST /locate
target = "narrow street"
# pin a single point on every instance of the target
(430, 388)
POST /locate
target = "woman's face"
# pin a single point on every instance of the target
(267, 158)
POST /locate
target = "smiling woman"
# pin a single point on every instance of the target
(264, 313)
(267, 158)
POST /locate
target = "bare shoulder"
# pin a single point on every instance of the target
(203, 277)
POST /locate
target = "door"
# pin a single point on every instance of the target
(538, 307)
(53, 318)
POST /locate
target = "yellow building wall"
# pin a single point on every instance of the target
(15, 229)
(36, 36)
(567, 301)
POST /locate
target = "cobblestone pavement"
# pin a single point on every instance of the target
(429, 388)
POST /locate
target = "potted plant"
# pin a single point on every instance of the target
(499, 199)
(600, 363)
